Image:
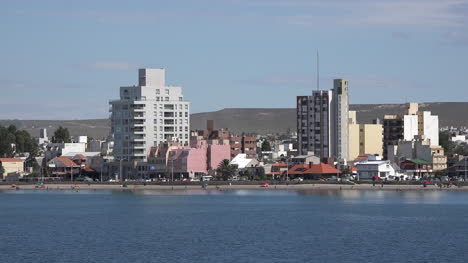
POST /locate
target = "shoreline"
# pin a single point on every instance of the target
(293, 187)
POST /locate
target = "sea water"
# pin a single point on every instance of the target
(233, 226)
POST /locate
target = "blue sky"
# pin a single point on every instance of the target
(65, 59)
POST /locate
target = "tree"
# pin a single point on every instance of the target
(266, 146)
(61, 135)
(225, 169)
(16, 141)
(445, 142)
(260, 173)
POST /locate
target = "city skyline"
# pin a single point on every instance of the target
(74, 56)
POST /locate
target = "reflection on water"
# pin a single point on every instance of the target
(345, 196)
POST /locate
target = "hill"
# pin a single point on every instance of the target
(254, 120)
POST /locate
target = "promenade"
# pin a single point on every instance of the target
(224, 186)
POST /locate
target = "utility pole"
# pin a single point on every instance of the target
(120, 170)
(465, 167)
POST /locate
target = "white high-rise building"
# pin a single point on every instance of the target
(147, 115)
(322, 122)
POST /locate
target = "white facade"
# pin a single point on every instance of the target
(410, 127)
(369, 169)
(340, 117)
(429, 127)
(147, 115)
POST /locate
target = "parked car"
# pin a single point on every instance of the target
(297, 179)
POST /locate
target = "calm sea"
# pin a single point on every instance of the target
(233, 226)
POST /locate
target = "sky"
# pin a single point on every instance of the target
(66, 59)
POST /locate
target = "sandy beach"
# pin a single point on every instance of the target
(213, 186)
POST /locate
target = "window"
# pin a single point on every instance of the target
(155, 121)
(158, 91)
(181, 98)
(186, 114)
(186, 107)
(166, 91)
(166, 98)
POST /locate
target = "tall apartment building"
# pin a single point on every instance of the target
(364, 138)
(340, 118)
(147, 115)
(322, 122)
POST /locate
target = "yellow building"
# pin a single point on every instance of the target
(11, 165)
(364, 138)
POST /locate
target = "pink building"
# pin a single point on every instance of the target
(216, 154)
(187, 162)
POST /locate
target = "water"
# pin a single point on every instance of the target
(237, 226)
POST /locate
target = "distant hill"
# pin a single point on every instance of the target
(253, 120)
(265, 121)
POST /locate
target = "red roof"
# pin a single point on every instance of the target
(322, 168)
(67, 162)
(279, 165)
(298, 169)
(6, 160)
(89, 170)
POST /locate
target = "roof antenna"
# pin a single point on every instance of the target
(318, 71)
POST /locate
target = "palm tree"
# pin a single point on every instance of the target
(225, 169)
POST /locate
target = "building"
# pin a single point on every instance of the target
(392, 132)
(238, 144)
(53, 150)
(340, 131)
(11, 166)
(364, 138)
(63, 167)
(42, 136)
(171, 159)
(406, 127)
(322, 122)
(313, 171)
(416, 168)
(242, 161)
(147, 115)
(418, 148)
(243, 144)
(371, 168)
(460, 168)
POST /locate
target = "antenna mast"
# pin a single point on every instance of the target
(318, 71)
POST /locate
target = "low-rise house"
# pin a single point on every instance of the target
(372, 168)
(416, 168)
(12, 167)
(460, 168)
(304, 159)
(242, 161)
(278, 170)
(313, 171)
(63, 167)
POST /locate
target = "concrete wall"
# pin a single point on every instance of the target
(216, 154)
(12, 167)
